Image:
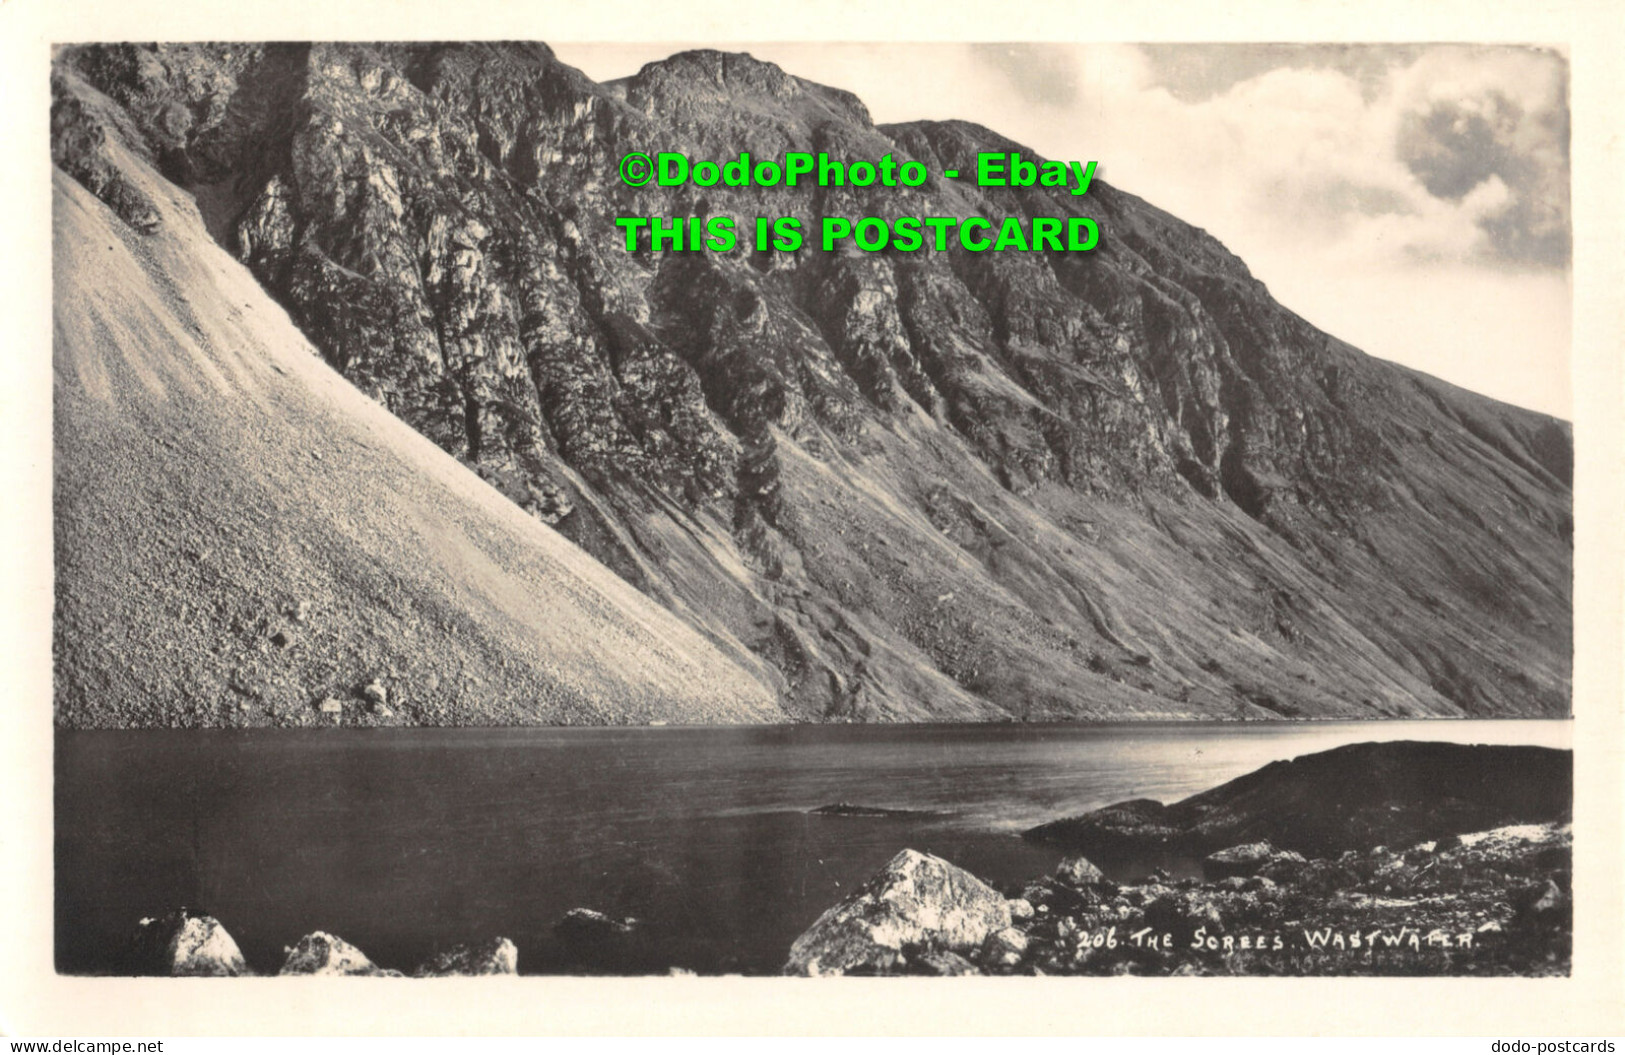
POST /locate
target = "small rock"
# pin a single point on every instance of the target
(680, 972)
(331, 706)
(1144, 895)
(497, 956)
(593, 941)
(941, 963)
(591, 921)
(322, 953)
(1206, 914)
(281, 639)
(1243, 860)
(375, 693)
(1181, 911)
(1489, 927)
(1079, 872)
(181, 945)
(1539, 902)
(1036, 894)
(1021, 908)
(1004, 948)
(1285, 867)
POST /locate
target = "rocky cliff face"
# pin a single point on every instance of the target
(898, 486)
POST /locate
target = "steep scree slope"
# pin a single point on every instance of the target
(945, 485)
(241, 535)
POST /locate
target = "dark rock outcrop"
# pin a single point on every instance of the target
(1349, 798)
(894, 486)
(183, 944)
(916, 904)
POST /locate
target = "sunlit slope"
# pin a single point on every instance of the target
(241, 535)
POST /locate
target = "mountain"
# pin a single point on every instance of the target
(893, 486)
(241, 535)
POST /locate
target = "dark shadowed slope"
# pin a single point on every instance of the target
(1123, 483)
(1349, 798)
(240, 534)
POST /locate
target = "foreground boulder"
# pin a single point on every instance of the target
(916, 902)
(322, 953)
(182, 945)
(497, 956)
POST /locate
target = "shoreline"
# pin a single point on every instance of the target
(1493, 903)
(1489, 903)
(1091, 723)
(1393, 840)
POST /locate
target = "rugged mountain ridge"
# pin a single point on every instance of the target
(943, 485)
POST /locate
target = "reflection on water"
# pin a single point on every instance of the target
(405, 841)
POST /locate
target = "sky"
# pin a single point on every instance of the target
(1410, 199)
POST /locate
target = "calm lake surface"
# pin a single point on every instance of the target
(408, 841)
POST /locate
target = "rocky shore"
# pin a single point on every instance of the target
(1485, 903)
(188, 944)
(184, 944)
(1370, 859)
(1400, 858)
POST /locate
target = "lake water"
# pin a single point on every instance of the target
(407, 841)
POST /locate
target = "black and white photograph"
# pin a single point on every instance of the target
(701, 508)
